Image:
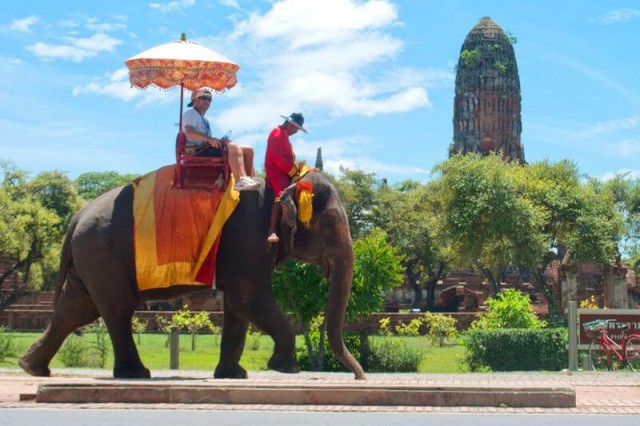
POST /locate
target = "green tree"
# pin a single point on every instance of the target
(555, 189)
(302, 290)
(626, 194)
(93, 184)
(358, 191)
(57, 193)
(485, 223)
(377, 269)
(580, 217)
(27, 229)
(408, 218)
(598, 227)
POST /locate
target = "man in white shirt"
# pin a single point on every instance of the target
(200, 142)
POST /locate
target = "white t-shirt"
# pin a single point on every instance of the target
(196, 120)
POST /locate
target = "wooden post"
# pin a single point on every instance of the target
(174, 362)
(572, 319)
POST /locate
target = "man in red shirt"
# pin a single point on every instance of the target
(280, 165)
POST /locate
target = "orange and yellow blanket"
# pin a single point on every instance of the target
(177, 231)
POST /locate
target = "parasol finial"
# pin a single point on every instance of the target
(183, 37)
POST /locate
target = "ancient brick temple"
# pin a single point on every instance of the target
(486, 112)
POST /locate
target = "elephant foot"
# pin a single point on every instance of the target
(284, 364)
(226, 372)
(38, 371)
(131, 373)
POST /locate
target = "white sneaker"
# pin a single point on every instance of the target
(245, 183)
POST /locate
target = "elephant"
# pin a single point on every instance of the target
(97, 278)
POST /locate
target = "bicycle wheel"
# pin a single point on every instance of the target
(598, 356)
(632, 352)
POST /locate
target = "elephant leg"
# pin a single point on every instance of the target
(127, 363)
(116, 298)
(74, 309)
(264, 312)
(234, 333)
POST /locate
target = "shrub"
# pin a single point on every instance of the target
(99, 350)
(330, 363)
(73, 352)
(411, 329)
(7, 347)
(192, 322)
(511, 309)
(138, 326)
(590, 303)
(470, 58)
(164, 325)
(440, 327)
(253, 339)
(392, 354)
(385, 326)
(516, 349)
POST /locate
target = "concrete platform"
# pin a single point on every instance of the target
(612, 392)
(351, 393)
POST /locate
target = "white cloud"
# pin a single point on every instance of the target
(609, 126)
(76, 49)
(628, 173)
(68, 23)
(10, 61)
(335, 57)
(104, 27)
(347, 152)
(23, 25)
(628, 148)
(230, 3)
(117, 85)
(619, 15)
(311, 22)
(608, 82)
(347, 66)
(172, 6)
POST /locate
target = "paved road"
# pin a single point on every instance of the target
(597, 393)
(135, 417)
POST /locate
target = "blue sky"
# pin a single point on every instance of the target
(375, 80)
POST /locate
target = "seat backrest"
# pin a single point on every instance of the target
(181, 139)
(194, 171)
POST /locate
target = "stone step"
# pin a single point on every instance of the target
(290, 393)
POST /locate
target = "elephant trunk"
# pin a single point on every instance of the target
(340, 276)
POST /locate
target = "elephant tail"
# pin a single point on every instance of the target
(65, 262)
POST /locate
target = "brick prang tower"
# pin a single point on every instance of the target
(486, 112)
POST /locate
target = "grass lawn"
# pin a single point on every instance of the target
(258, 349)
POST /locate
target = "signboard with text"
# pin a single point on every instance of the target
(619, 317)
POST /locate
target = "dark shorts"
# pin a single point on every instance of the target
(209, 151)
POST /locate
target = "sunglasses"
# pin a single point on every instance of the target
(204, 98)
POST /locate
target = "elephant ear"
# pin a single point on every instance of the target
(288, 222)
(289, 209)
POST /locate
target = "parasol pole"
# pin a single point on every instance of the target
(183, 37)
(181, 102)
